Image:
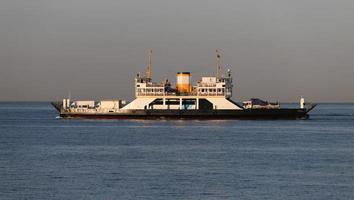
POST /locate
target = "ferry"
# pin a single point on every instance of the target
(209, 98)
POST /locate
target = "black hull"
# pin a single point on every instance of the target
(272, 114)
(188, 117)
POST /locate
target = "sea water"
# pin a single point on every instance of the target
(45, 157)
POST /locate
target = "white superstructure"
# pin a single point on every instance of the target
(209, 93)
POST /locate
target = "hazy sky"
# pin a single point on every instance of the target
(277, 49)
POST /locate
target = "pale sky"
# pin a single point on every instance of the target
(277, 49)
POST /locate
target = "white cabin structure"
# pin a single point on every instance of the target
(209, 93)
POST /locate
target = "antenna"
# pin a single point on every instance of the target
(148, 69)
(218, 64)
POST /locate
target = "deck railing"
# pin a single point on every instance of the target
(185, 94)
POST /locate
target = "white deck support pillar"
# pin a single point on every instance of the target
(139, 104)
(222, 103)
(197, 103)
(68, 103)
(180, 103)
(64, 103)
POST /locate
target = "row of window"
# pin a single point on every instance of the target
(200, 90)
(157, 90)
(219, 90)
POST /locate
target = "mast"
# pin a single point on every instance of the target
(148, 72)
(218, 64)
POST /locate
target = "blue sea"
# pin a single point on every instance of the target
(45, 157)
